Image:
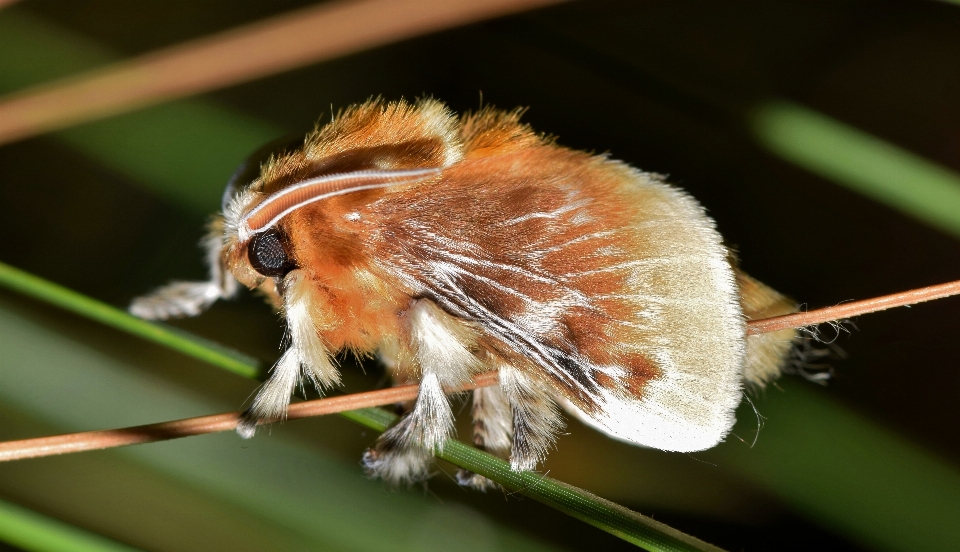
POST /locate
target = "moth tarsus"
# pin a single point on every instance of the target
(450, 246)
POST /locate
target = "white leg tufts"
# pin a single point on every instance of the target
(176, 300)
(300, 312)
(442, 347)
(492, 431)
(442, 343)
(466, 478)
(396, 461)
(247, 427)
(536, 419)
(431, 421)
(306, 354)
(272, 399)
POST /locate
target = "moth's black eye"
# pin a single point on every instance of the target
(268, 255)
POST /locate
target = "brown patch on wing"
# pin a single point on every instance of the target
(555, 216)
(591, 334)
(600, 336)
(640, 370)
(491, 297)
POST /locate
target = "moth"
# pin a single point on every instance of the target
(453, 245)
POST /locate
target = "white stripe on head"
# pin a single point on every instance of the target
(268, 213)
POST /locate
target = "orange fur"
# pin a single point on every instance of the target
(454, 245)
(567, 271)
(506, 172)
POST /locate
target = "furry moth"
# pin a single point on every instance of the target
(450, 246)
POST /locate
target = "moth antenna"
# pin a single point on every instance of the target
(180, 299)
(306, 355)
(282, 203)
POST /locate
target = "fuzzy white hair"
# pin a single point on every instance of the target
(441, 346)
(180, 299)
(306, 355)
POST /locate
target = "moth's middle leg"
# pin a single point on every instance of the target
(492, 431)
(442, 350)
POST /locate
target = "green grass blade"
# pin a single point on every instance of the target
(186, 343)
(603, 514)
(864, 163)
(31, 531)
(606, 515)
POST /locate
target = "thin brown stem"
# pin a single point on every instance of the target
(95, 440)
(288, 41)
(164, 431)
(856, 308)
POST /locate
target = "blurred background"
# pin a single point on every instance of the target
(823, 137)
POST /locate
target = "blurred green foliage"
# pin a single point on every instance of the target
(31, 531)
(299, 489)
(868, 165)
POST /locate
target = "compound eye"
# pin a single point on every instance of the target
(268, 254)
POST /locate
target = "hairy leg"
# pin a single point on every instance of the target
(306, 356)
(536, 419)
(441, 345)
(492, 431)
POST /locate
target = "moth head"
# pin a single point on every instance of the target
(371, 146)
(254, 259)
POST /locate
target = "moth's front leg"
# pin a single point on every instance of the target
(442, 347)
(306, 355)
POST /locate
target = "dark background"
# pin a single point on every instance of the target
(667, 86)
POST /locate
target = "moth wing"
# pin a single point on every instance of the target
(655, 359)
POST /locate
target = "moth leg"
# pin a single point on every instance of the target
(536, 418)
(306, 356)
(399, 368)
(441, 346)
(398, 362)
(492, 431)
(766, 353)
(179, 299)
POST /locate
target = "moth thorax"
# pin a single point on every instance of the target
(267, 252)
